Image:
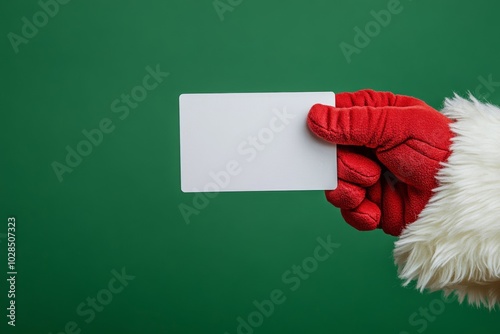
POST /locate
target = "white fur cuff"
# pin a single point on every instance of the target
(454, 245)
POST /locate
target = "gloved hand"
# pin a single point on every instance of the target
(390, 148)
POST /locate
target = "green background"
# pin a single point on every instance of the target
(120, 207)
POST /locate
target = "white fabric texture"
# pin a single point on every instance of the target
(454, 245)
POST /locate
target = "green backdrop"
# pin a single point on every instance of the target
(103, 248)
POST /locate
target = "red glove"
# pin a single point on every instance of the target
(390, 148)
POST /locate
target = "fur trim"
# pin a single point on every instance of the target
(454, 245)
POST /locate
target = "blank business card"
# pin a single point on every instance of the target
(253, 142)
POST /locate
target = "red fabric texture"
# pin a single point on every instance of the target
(390, 148)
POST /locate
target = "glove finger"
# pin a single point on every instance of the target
(371, 98)
(365, 217)
(374, 193)
(346, 195)
(393, 207)
(356, 168)
(382, 128)
(358, 126)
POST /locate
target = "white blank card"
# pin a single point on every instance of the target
(253, 142)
